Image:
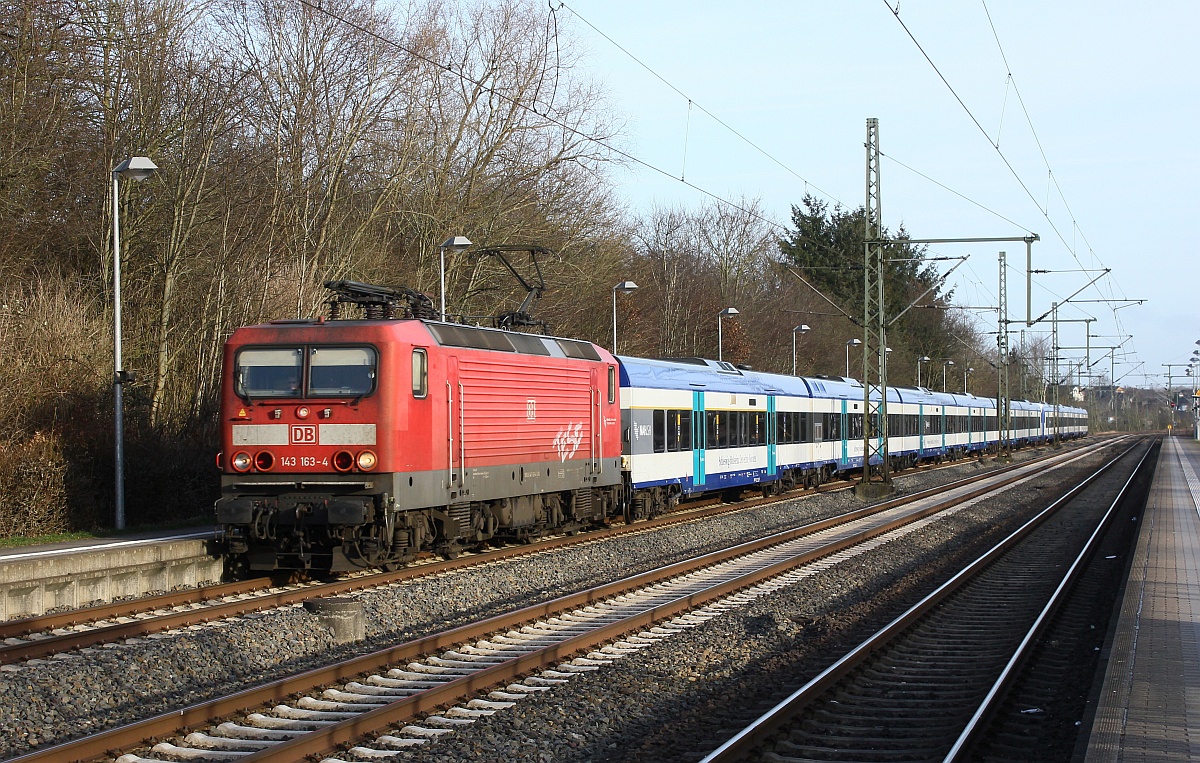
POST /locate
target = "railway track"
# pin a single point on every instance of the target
(925, 686)
(438, 679)
(43, 636)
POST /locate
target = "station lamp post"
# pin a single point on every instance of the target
(921, 360)
(945, 363)
(457, 243)
(801, 329)
(849, 344)
(728, 312)
(136, 168)
(966, 372)
(625, 287)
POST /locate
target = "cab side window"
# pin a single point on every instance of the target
(420, 372)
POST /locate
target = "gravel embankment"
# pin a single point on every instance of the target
(75, 694)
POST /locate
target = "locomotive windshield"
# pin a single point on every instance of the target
(341, 371)
(271, 372)
(280, 372)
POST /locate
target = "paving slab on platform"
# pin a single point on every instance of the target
(1149, 707)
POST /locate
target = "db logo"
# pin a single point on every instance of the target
(304, 434)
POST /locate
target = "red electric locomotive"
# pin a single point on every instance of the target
(362, 442)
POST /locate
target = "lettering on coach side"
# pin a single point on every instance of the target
(304, 434)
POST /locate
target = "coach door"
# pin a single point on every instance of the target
(921, 428)
(771, 435)
(943, 420)
(843, 432)
(699, 438)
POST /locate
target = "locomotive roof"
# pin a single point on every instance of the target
(481, 338)
(460, 335)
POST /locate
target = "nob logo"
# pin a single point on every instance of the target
(304, 434)
(531, 409)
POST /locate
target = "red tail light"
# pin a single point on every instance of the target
(264, 461)
(343, 460)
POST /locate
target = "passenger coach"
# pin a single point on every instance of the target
(693, 425)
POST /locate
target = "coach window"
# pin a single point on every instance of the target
(420, 373)
(679, 431)
(660, 431)
(612, 384)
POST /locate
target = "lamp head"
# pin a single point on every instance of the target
(457, 242)
(801, 329)
(729, 311)
(854, 342)
(136, 168)
(625, 287)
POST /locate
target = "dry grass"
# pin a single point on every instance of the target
(56, 361)
(33, 492)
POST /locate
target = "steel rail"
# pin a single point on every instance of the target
(43, 647)
(1006, 678)
(742, 743)
(204, 714)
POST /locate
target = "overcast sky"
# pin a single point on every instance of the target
(1110, 89)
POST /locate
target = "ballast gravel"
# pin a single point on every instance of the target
(48, 701)
(679, 700)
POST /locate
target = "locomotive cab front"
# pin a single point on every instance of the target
(300, 445)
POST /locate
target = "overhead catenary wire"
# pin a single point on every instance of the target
(692, 102)
(315, 5)
(1033, 131)
(983, 131)
(1107, 287)
(633, 159)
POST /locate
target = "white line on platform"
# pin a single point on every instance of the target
(101, 546)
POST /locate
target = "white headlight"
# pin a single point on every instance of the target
(367, 460)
